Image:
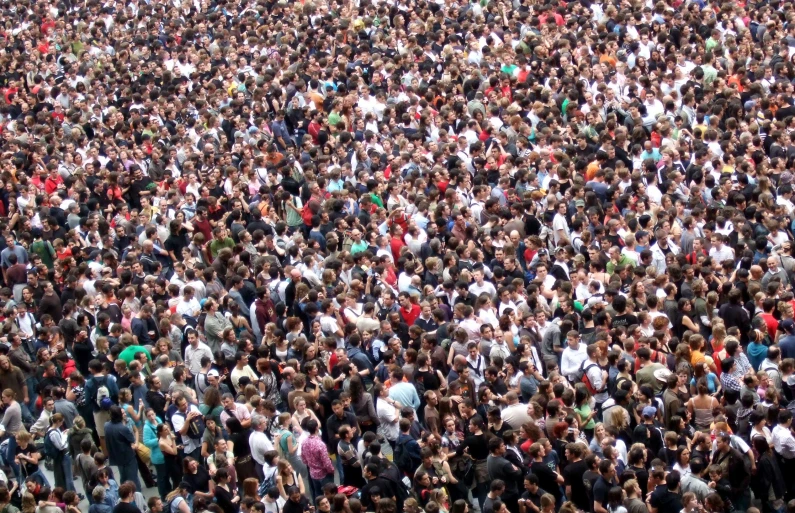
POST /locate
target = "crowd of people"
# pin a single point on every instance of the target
(379, 256)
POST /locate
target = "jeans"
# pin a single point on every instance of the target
(63, 472)
(31, 383)
(316, 486)
(128, 471)
(338, 466)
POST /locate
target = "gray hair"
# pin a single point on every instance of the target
(257, 421)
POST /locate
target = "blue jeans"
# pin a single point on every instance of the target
(338, 466)
(316, 486)
(128, 471)
(66, 468)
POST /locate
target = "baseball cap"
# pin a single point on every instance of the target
(649, 411)
(579, 203)
(213, 374)
(662, 375)
(787, 325)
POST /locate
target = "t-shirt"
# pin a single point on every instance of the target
(126, 507)
(27, 467)
(573, 474)
(296, 507)
(547, 478)
(600, 489)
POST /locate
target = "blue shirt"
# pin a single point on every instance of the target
(405, 394)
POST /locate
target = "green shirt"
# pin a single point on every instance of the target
(45, 250)
(358, 247)
(128, 354)
(217, 245)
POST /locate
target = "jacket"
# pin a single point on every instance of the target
(214, 327)
(151, 441)
(658, 256)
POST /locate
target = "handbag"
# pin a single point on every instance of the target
(464, 470)
(144, 453)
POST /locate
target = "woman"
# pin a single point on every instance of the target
(599, 433)
(684, 321)
(302, 413)
(287, 445)
(200, 485)
(758, 421)
(226, 499)
(585, 415)
(177, 501)
(362, 405)
(150, 440)
(212, 407)
(701, 407)
(250, 489)
(682, 464)
(700, 371)
(287, 477)
(238, 442)
(77, 434)
(167, 444)
(768, 482)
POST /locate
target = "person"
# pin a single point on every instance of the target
(122, 445)
(315, 456)
(126, 499)
(177, 500)
(501, 468)
(57, 438)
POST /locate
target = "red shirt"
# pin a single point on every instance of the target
(410, 315)
(772, 323)
(395, 244)
(51, 184)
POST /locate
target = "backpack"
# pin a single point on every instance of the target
(50, 451)
(195, 428)
(267, 483)
(403, 459)
(103, 396)
(586, 380)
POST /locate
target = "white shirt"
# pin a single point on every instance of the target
(260, 444)
(487, 287)
(571, 360)
(193, 357)
(178, 421)
(784, 442)
(389, 419)
(559, 224)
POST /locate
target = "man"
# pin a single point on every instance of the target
(242, 368)
(126, 502)
(603, 484)
(121, 446)
(515, 413)
(573, 357)
(64, 407)
(143, 327)
(500, 468)
(596, 376)
(188, 425)
(12, 377)
(314, 454)
(404, 393)
(259, 443)
(339, 417)
(194, 353)
(100, 403)
(573, 474)
(214, 324)
(236, 410)
(693, 482)
(733, 466)
(666, 498)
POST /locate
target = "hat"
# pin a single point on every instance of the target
(786, 177)
(787, 325)
(579, 203)
(649, 411)
(662, 375)
(543, 252)
(213, 374)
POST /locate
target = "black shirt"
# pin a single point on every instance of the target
(665, 501)
(296, 507)
(600, 489)
(27, 467)
(547, 478)
(573, 474)
(126, 507)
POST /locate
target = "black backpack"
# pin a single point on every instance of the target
(403, 459)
